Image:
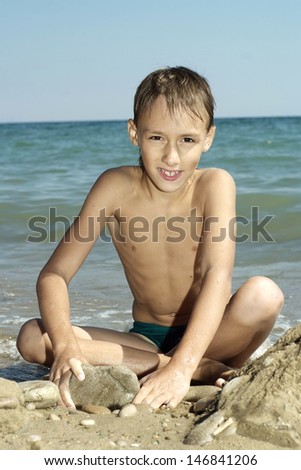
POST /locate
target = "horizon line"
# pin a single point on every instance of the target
(60, 121)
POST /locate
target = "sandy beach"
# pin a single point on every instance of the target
(258, 409)
(163, 430)
(57, 429)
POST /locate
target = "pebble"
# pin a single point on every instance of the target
(198, 392)
(203, 403)
(96, 409)
(30, 406)
(268, 361)
(36, 446)
(121, 443)
(112, 444)
(36, 443)
(34, 438)
(54, 417)
(128, 411)
(87, 422)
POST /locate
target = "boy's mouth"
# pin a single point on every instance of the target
(169, 174)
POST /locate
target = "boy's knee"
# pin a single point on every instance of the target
(268, 295)
(27, 337)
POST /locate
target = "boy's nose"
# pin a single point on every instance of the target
(171, 155)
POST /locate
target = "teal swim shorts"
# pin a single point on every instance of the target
(165, 337)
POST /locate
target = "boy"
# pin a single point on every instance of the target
(171, 225)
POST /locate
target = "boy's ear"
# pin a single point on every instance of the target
(209, 138)
(133, 132)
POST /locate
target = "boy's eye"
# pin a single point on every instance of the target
(188, 140)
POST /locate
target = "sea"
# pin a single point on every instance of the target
(46, 172)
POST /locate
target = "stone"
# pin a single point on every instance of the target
(109, 386)
(96, 409)
(204, 403)
(203, 433)
(263, 401)
(35, 442)
(34, 438)
(54, 417)
(128, 410)
(87, 423)
(10, 390)
(43, 394)
(198, 392)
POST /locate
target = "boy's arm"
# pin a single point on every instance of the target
(170, 384)
(53, 281)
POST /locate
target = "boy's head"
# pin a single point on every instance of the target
(182, 88)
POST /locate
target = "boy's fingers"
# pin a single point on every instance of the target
(67, 400)
(150, 396)
(76, 367)
(143, 395)
(154, 399)
(65, 392)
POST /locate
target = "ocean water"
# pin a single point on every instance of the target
(47, 170)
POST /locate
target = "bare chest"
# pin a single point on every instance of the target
(172, 228)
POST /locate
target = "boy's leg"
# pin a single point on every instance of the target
(248, 320)
(99, 347)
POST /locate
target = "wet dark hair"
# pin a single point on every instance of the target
(181, 87)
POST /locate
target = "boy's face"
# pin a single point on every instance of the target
(171, 144)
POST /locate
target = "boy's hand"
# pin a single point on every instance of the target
(165, 386)
(61, 373)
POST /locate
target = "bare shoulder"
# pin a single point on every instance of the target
(119, 175)
(216, 176)
(217, 191)
(115, 181)
(214, 183)
(110, 189)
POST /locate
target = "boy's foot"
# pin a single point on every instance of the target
(209, 372)
(212, 372)
(221, 381)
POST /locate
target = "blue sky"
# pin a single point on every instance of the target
(83, 59)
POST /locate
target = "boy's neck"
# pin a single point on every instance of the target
(164, 196)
